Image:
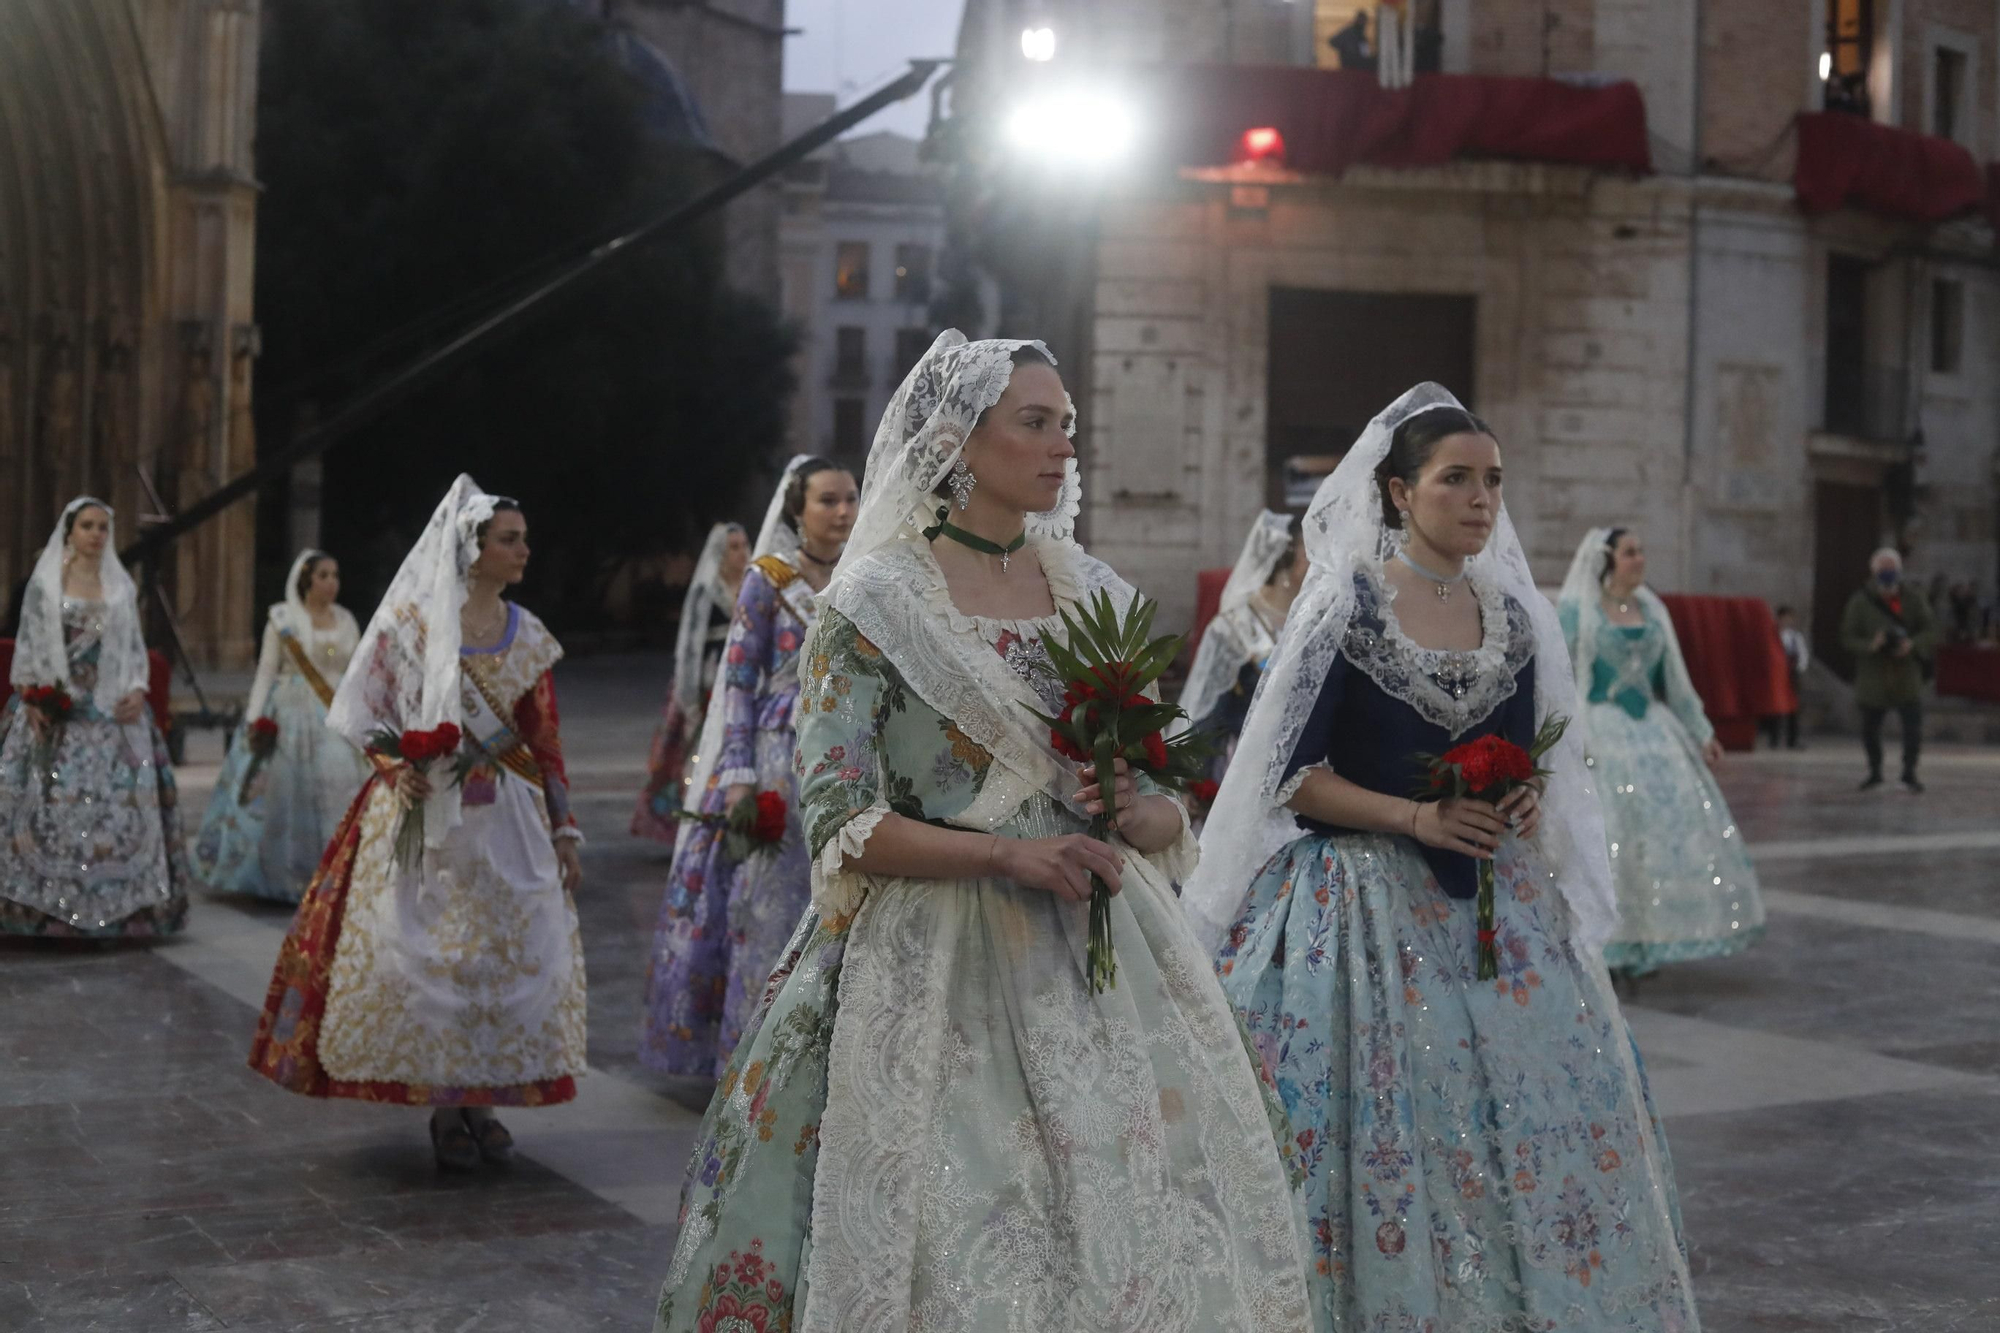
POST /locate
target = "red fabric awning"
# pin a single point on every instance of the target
(1735, 660)
(1208, 586)
(1845, 160)
(1969, 671)
(1335, 119)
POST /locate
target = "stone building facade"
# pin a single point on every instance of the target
(127, 230)
(730, 53)
(1766, 394)
(862, 233)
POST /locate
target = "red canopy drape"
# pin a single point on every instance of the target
(1969, 671)
(1736, 662)
(1208, 585)
(1335, 119)
(1847, 160)
(159, 681)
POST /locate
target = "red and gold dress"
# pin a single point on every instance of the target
(460, 981)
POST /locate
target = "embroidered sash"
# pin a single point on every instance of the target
(304, 663)
(486, 730)
(793, 590)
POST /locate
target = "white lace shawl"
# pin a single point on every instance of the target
(776, 535)
(1581, 597)
(897, 598)
(1236, 635)
(41, 657)
(405, 672)
(1345, 536)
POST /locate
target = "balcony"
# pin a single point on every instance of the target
(1845, 161)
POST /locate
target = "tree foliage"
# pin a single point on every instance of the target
(421, 160)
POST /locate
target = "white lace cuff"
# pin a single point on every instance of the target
(567, 833)
(1178, 858)
(1290, 787)
(836, 890)
(736, 777)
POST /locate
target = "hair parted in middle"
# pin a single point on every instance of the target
(1411, 447)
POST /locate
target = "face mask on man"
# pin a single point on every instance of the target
(1888, 578)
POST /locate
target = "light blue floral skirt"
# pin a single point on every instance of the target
(264, 832)
(1686, 887)
(1481, 1157)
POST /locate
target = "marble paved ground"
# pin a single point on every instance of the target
(1832, 1098)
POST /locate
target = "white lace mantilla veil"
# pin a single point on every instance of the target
(705, 593)
(40, 655)
(776, 537)
(1582, 589)
(415, 633)
(1344, 532)
(888, 585)
(291, 614)
(1213, 673)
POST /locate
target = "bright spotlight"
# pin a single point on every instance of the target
(1825, 66)
(1080, 128)
(1038, 43)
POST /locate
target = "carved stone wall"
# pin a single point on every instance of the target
(127, 222)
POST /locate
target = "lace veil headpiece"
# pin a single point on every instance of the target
(1581, 601)
(1215, 669)
(706, 592)
(291, 614)
(40, 655)
(776, 535)
(405, 674)
(1344, 533)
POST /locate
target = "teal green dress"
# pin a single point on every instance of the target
(1686, 886)
(931, 1123)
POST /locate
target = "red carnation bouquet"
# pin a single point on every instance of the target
(262, 738)
(51, 706)
(754, 824)
(418, 749)
(1489, 769)
(1106, 665)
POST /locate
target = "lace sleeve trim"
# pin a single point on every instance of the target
(1178, 858)
(837, 891)
(1290, 787)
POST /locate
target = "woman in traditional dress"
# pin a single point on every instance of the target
(1686, 888)
(932, 1122)
(90, 831)
(1238, 640)
(453, 980)
(698, 649)
(1479, 1154)
(723, 923)
(270, 817)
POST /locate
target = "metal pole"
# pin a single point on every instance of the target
(514, 316)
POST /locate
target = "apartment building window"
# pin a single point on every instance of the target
(1846, 345)
(913, 273)
(850, 427)
(850, 354)
(911, 344)
(1951, 84)
(1850, 53)
(1947, 325)
(850, 271)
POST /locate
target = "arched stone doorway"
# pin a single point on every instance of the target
(127, 210)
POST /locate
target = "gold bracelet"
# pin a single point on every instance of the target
(992, 851)
(1416, 808)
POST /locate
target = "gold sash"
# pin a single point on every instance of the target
(306, 668)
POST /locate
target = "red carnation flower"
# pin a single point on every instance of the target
(770, 823)
(1204, 790)
(1156, 750)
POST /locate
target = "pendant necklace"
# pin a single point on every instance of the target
(978, 543)
(1442, 585)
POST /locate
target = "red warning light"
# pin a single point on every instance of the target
(1263, 144)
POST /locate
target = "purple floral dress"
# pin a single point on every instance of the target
(723, 924)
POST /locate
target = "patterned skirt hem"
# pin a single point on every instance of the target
(286, 1048)
(145, 924)
(1644, 956)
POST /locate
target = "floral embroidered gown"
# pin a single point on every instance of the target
(723, 925)
(1686, 886)
(91, 846)
(930, 1124)
(1479, 1155)
(264, 832)
(460, 982)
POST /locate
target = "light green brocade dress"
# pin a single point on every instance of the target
(932, 1124)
